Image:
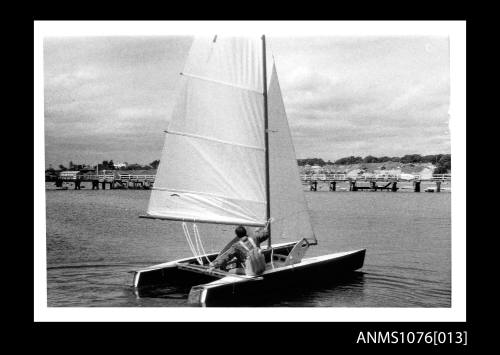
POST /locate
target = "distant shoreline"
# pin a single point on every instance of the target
(407, 168)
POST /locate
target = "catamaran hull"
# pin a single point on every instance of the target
(311, 271)
(207, 290)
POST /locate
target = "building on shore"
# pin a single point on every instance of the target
(120, 165)
(69, 174)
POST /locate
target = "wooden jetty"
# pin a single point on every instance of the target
(114, 181)
(359, 183)
(375, 183)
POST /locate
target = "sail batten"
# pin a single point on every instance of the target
(202, 193)
(221, 82)
(213, 139)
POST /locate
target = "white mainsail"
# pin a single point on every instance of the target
(212, 167)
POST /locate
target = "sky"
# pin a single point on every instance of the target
(111, 97)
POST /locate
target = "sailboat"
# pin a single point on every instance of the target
(228, 158)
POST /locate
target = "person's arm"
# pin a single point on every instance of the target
(224, 250)
(224, 258)
(229, 245)
(261, 235)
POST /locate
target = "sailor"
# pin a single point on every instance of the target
(244, 251)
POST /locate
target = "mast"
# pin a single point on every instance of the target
(266, 136)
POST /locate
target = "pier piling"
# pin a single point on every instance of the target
(416, 186)
(438, 186)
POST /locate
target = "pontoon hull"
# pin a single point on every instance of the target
(311, 271)
(209, 290)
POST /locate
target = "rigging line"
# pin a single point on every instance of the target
(188, 238)
(211, 49)
(220, 82)
(213, 140)
(197, 236)
(270, 44)
(198, 251)
(190, 243)
(266, 135)
(198, 248)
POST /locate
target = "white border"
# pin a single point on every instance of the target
(456, 30)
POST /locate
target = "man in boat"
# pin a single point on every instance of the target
(244, 252)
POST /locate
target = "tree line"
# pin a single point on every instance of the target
(105, 165)
(441, 161)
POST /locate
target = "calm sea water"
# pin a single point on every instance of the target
(95, 238)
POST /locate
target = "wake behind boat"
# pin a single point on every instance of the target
(228, 158)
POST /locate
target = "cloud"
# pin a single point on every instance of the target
(112, 97)
(368, 96)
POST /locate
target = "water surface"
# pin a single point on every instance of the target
(95, 238)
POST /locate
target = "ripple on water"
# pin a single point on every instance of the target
(94, 238)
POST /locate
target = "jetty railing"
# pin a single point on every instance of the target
(114, 180)
(374, 177)
(126, 181)
(444, 177)
(304, 177)
(106, 177)
(129, 177)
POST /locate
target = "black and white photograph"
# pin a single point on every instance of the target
(286, 170)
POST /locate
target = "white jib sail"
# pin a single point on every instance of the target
(288, 205)
(212, 168)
